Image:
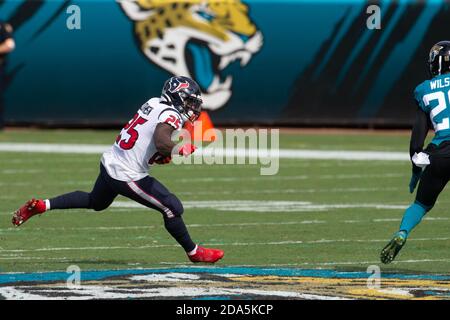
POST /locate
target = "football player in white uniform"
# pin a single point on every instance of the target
(144, 141)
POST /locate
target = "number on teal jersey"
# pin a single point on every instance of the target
(433, 97)
(439, 123)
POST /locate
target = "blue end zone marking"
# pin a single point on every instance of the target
(436, 293)
(102, 274)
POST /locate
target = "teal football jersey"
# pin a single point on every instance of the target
(433, 97)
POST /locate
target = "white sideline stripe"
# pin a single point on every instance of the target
(276, 243)
(252, 153)
(53, 148)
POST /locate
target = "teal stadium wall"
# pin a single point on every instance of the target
(311, 62)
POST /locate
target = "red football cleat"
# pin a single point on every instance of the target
(206, 255)
(29, 209)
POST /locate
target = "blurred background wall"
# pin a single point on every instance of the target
(259, 62)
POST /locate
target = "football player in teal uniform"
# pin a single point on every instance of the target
(430, 166)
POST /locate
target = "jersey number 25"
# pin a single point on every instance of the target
(130, 128)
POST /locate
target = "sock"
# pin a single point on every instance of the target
(47, 205)
(412, 217)
(178, 230)
(77, 199)
(191, 253)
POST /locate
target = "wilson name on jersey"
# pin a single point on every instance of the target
(133, 152)
(433, 97)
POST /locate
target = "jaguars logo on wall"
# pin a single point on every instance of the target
(196, 38)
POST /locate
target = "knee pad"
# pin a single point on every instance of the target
(174, 204)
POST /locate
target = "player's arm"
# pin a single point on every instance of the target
(418, 135)
(7, 46)
(163, 139)
(169, 121)
(164, 144)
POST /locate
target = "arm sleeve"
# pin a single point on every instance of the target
(418, 134)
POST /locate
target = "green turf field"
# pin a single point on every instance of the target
(340, 228)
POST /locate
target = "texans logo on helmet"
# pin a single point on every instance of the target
(176, 85)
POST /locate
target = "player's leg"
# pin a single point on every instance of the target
(2, 91)
(433, 180)
(1, 95)
(101, 196)
(151, 193)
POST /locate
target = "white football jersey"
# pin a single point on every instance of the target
(134, 150)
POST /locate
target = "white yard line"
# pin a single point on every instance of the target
(313, 264)
(268, 206)
(19, 171)
(233, 244)
(240, 179)
(320, 241)
(273, 191)
(53, 148)
(255, 191)
(332, 263)
(220, 225)
(196, 225)
(274, 265)
(283, 153)
(231, 179)
(34, 258)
